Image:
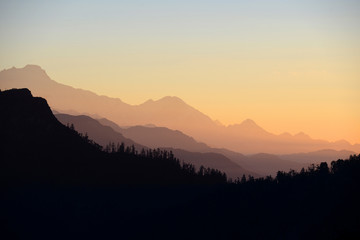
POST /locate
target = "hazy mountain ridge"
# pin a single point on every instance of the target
(36, 147)
(164, 137)
(189, 150)
(325, 155)
(198, 154)
(102, 135)
(170, 112)
(214, 160)
(56, 184)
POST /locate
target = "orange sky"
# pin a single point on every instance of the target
(290, 66)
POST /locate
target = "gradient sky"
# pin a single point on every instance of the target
(289, 65)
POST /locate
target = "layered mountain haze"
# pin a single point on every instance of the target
(189, 150)
(180, 120)
(48, 169)
(170, 112)
(184, 147)
(216, 161)
(249, 129)
(325, 155)
(35, 146)
(164, 137)
(103, 135)
(259, 164)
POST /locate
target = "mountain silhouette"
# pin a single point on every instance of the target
(56, 183)
(170, 112)
(257, 164)
(216, 161)
(164, 137)
(35, 146)
(102, 135)
(185, 148)
(249, 129)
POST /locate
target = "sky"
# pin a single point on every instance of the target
(290, 65)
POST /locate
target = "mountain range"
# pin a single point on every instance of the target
(189, 150)
(56, 183)
(184, 147)
(36, 147)
(103, 135)
(169, 112)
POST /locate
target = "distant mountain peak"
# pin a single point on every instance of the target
(166, 100)
(36, 69)
(249, 126)
(171, 99)
(33, 66)
(28, 67)
(32, 73)
(248, 122)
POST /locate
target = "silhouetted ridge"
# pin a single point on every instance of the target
(56, 183)
(20, 104)
(37, 147)
(16, 93)
(101, 134)
(185, 147)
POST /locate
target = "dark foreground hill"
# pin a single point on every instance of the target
(56, 184)
(36, 146)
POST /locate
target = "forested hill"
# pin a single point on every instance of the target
(321, 202)
(35, 146)
(57, 184)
